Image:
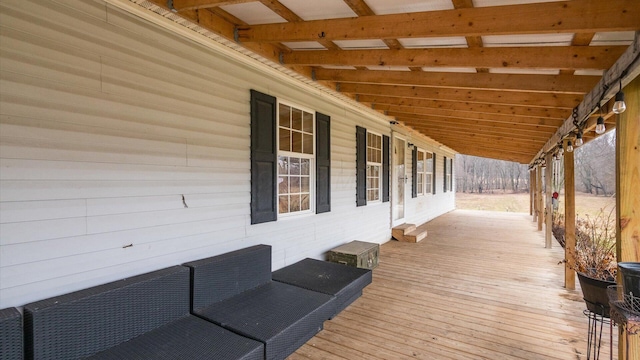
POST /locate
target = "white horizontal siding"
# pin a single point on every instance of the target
(125, 148)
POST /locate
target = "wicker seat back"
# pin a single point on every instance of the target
(11, 334)
(85, 322)
(221, 277)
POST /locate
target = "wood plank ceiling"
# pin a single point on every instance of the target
(491, 78)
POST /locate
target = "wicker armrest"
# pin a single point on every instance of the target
(11, 334)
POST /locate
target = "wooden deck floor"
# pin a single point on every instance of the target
(480, 286)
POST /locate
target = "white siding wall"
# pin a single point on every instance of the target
(107, 122)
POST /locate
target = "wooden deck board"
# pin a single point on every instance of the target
(480, 286)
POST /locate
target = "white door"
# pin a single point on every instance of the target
(398, 180)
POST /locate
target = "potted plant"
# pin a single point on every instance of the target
(595, 259)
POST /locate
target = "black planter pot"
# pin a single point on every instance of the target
(630, 272)
(594, 293)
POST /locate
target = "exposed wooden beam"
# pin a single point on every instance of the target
(538, 123)
(182, 5)
(478, 96)
(360, 7)
(472, 125)
(477, 131)
(568, 84)
(475, 138)
(543, 57)
(284, 12)
(546, 18)
(381, 101)
(455, 143)
(472, 41)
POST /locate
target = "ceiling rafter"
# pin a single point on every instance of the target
(478, 130)
(485, 81)
(542, 18)
(473, 124)
(566, 101)
(380, 101)
(182, 5)
(542, 57)
(472, 116)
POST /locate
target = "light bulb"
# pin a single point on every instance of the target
(600, 128)
(579, 141)
(569, 146)
(619, 106)
(560, 151)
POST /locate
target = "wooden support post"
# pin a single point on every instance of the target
(548, 210)
(569, 221)
(628, 194)
(534, 192)
(530, 192)
(539, 202)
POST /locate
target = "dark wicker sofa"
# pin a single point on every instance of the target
(11, 334)
(143, 317)
(235, 290)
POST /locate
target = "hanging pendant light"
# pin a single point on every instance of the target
(619, 106)
(579, 141)
(600, 128)
(569, 146)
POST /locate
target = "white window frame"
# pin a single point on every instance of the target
(449, 174)
(311, 157)
(421, 174)
(378, 165)
(428, 173)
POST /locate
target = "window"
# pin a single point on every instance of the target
(420, 178)
(290, 160)
(424, 172)
(295, 159)
(449, 179)
(374, 166)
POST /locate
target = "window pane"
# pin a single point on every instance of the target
(420, 165)
(305, 202)
(307, 144)
(304, 166)
(296, 119)
(283, 165)
(296, 142)
(283, 185)
(294, 166)
(307, 124)
(283, 204)
(304, 185)
(294, 184)
(285, 140)
(285, 115)
(294, 203)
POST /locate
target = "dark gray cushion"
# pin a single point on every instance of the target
(11, 334)
(187, 338)
(282, 316)
(344, 282)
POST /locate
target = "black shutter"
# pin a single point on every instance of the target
(444, 175)
(414, 172)
(433, 177)
(263, 158)
(361, 166)
(323, 163)
(385, 168)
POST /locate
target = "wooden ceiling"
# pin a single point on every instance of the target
(490, 78)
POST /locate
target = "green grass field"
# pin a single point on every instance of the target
(586, 204)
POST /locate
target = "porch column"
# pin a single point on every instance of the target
(627, 194)
(569, 220)
(548, 211)
(534, 192)
(539, 205)
(531, 192)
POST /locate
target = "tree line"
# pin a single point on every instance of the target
(594, 171)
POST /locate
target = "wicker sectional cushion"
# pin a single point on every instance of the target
(344, 282)
(11, 334)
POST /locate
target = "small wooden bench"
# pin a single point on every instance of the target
(235, 291)
(11, 334)
(342, 281)
(142, 317)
